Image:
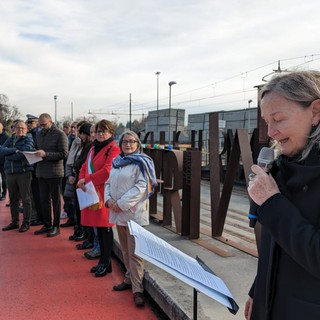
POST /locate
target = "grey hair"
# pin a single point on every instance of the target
(133, 135)
(302, 87)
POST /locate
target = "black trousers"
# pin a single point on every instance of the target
(19, 186)
(36, 197)
(105, 237)
(50, 191)
(4, 180)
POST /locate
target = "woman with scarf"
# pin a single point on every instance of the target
(132, 180)
(287, 285)
(97, 169)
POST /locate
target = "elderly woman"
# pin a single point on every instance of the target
(287, 285)
(132, 180)
(97, 169)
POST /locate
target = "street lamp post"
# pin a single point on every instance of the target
(157, 74)
(55, 109)
(171, 83)
(249, 118)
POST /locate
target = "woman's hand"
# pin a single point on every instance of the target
(71, 179)
(262, 186)
(248, 309)
(112, 204)
(82, 184)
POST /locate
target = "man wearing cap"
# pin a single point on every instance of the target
(3, 137)
(37, 216)
(32, 125)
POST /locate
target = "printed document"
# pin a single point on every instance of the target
(189, 270)
(89, 197)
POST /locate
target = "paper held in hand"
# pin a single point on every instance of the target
(89, 197)
(31, 157)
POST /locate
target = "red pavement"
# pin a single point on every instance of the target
(47, 278)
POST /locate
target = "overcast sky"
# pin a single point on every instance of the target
(93, 54)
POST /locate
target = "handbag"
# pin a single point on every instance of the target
(69, 190)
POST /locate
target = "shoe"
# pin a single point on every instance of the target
(81, 237)
(24, 227)
(21, 209)
(138, 299)
(43, 230)
(63, 215)
(69, 223)
(11, 226)
(92, 254)
(2, 198)
(36, 222)
(103, 270)
(75, 234)
(122, 286)
(7, 205)
(87, 244)
(54, 232)
(95, 268)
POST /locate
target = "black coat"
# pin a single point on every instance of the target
(54, 142)
(287, 285)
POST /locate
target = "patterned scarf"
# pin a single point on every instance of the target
(145, 164)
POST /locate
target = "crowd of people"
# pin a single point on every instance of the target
(45, 189)
(288, 274)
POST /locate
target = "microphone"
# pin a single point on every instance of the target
(264, 161)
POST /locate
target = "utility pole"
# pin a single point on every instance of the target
(130, 111)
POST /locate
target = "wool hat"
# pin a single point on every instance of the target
(85, 128)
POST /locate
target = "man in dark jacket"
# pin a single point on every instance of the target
(37, 216)
(19, 175)
(3, 137)
(52, 147)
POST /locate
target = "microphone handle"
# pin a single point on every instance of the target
(253, 214)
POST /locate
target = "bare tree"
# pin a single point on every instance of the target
(8, 113)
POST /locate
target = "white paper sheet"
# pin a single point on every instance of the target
(31, 157)
(177, 263)
(89, 197)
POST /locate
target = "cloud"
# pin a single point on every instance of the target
(95, 53)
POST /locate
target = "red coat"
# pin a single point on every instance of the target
(102, 166)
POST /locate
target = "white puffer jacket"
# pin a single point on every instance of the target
(127, 186)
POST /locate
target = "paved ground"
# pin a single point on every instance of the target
(27, 275)
(48, 279)
(237, 270)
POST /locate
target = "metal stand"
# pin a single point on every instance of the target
(195, 304)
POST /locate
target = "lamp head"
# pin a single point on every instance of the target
(171, 83)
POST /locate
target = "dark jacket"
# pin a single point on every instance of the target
(54, 142)
(287, 285)
(34, 132)
(15, 162)
(3, 137)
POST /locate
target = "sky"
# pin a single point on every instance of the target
(93, 55)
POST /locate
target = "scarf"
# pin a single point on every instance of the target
(146, 165)
(100, 145)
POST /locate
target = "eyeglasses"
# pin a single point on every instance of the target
(20, 128)
(131, 142)
(43, 124)
(102, 131)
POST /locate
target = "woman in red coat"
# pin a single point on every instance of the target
(96, 169)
